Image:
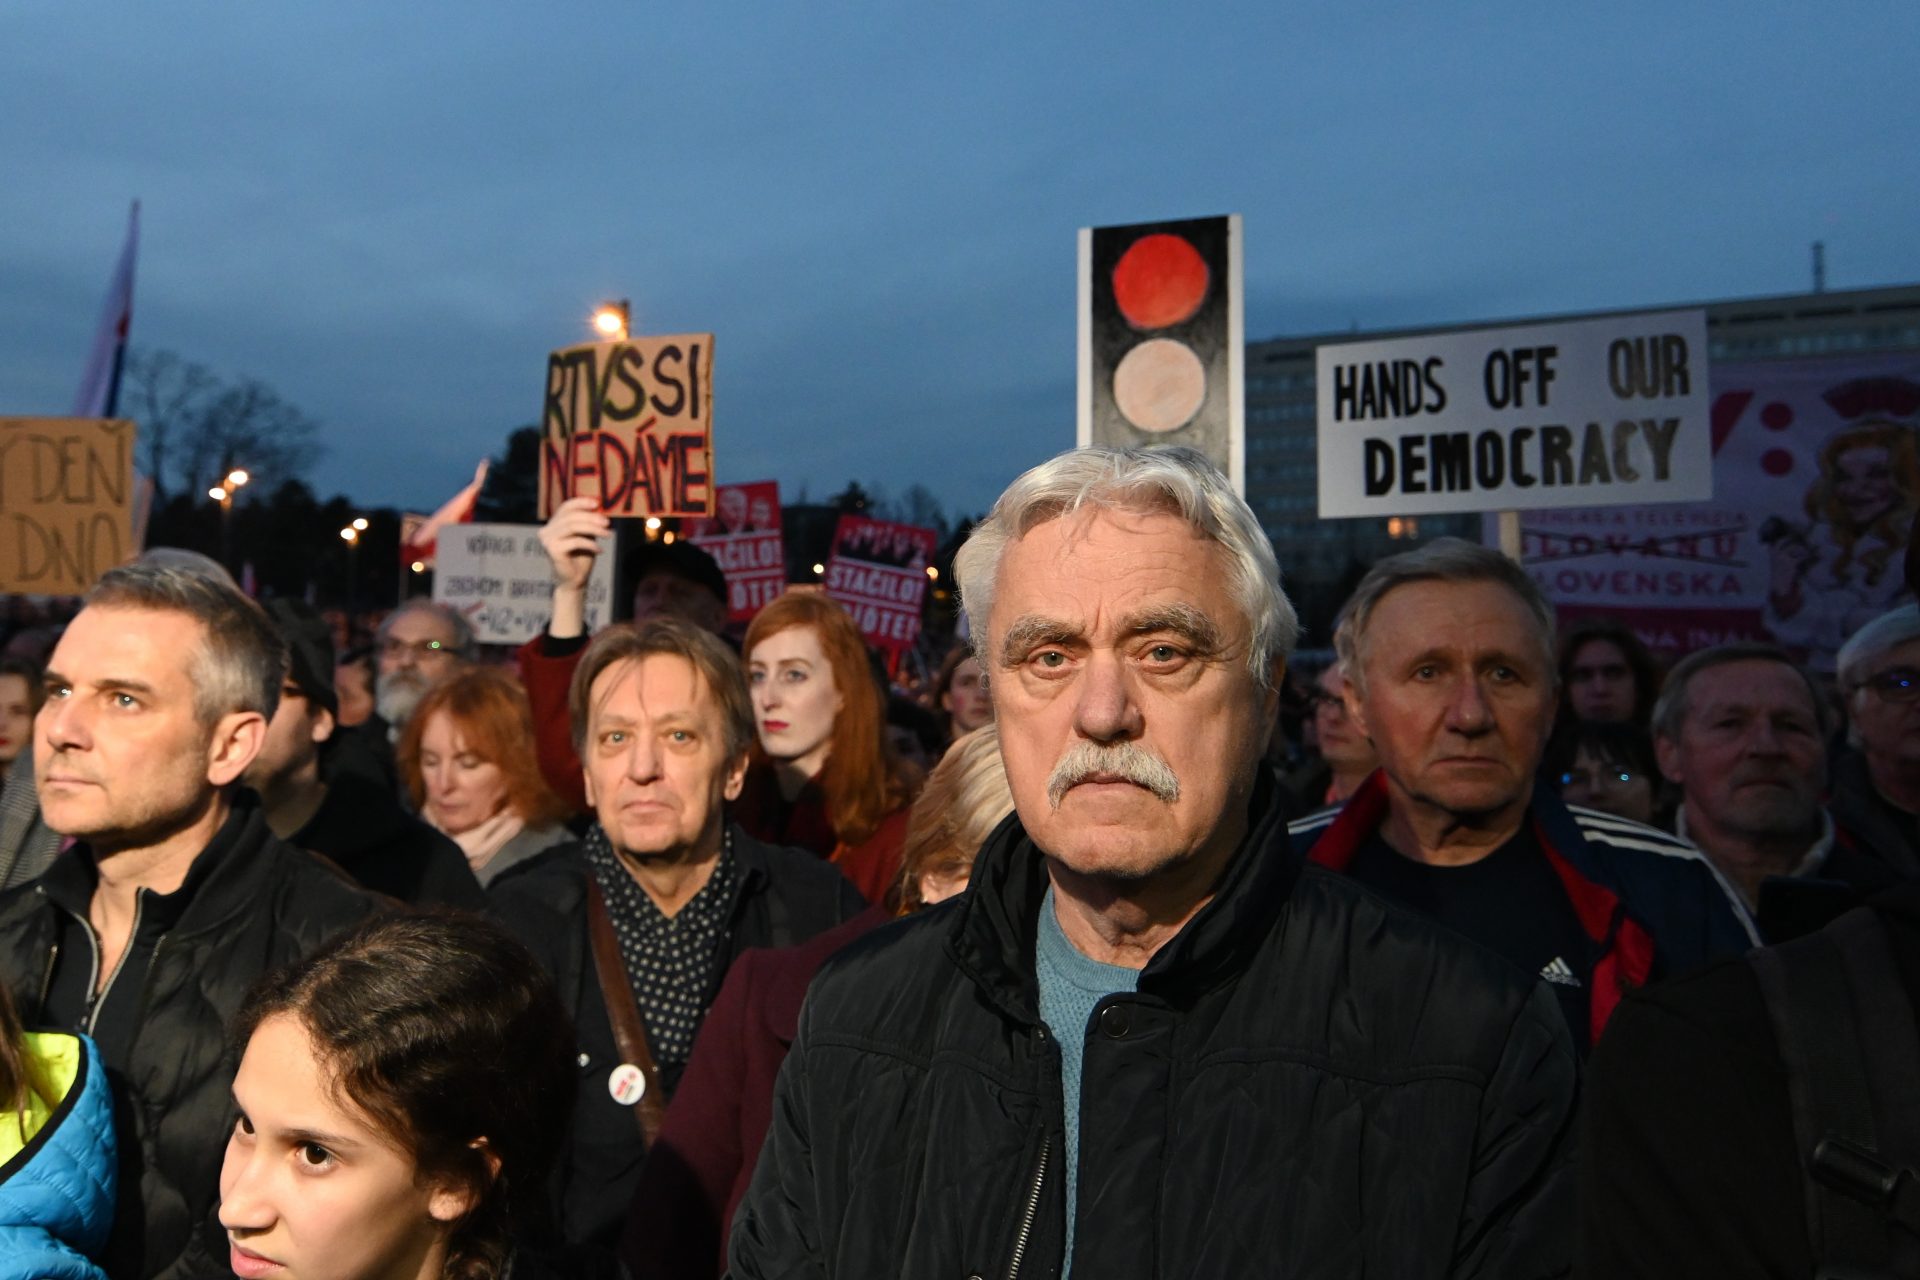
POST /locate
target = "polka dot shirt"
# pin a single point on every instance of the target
(672, 961)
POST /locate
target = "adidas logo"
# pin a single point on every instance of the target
(1557, 972)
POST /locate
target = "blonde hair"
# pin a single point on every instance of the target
(966, 797)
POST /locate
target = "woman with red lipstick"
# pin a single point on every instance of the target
(823, 776)
(401, 1099)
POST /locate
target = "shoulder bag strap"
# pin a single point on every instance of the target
(623, 1011)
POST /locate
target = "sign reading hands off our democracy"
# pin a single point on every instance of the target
(630, 424)
(66, 502)
(1583, 413)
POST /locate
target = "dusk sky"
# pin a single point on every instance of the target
(391, 213)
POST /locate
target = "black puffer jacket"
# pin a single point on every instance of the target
(784, 896)
(257, 906)
(1308, 1083)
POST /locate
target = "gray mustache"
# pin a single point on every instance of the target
(1128, 761)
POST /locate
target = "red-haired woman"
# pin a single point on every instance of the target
(467, 759)
(823, 776)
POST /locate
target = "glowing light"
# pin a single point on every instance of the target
(819, 569)
(351, 534)
(361, 524)
(217, 494)
(933, 573)
(237, 477)
(419, 566)
(667, 537)
(653, 522)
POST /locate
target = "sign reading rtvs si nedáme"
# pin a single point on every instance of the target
(1577, 414)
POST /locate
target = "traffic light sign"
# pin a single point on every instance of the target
(1162, 339)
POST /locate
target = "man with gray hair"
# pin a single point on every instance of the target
(1742, 730)
(1876, 784)
(1449, 656)
(418, 645)
(1145, 1041)
(148, 932)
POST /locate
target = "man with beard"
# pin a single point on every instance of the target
(1743, 732)
(418, 645)
(1146, 1040)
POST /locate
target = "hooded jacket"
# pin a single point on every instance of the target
(57, 1188)
(1308, 1082)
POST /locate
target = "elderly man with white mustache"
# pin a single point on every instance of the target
(1147, 1040)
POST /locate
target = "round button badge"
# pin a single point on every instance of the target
(627, 1084)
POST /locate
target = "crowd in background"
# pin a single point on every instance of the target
(625, 855)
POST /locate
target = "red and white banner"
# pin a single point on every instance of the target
(418, 544)
(1816, 475)
(878, 570)
(743, 537)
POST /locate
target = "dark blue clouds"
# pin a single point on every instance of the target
(391, 213)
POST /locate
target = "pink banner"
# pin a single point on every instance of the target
(879, 572)
(743, 537)
(1816, 481)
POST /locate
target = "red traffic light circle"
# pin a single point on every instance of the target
(1160, 280)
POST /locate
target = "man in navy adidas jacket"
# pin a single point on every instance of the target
(1449, 657)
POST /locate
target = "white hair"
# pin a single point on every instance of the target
(1882, 635)
(1170, 479)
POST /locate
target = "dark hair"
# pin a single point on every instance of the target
(674, 637)
(863, 779)
(1646, 672)
(1626, 745)
(1670, 710)
(443, 1030)
(17, 1080)
(490, 711)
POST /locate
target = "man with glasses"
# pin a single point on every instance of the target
(1876, 784)
(419, 645)
(1346, 757)
(1742, 731)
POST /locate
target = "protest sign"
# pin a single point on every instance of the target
(499, 577)
(1162, 338)
(1580, 413)
(1816, 481)
(66, 502)
(878, 570)
(630, 425)
(743, 537)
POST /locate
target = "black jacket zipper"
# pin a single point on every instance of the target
(1031, 1210)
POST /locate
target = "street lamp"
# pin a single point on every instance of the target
(613, 319)
(223, 493)
(351, 536)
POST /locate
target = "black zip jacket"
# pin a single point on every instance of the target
(783, 897)
(255, 904)
(1309, 1082)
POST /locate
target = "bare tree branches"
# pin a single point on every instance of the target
(193, 422)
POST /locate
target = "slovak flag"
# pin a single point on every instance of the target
(419, 544)
(99, 393)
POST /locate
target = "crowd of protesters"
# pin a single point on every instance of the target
(1481, 947)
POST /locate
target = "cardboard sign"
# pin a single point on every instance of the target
(66, 502)
(499, 576)
(1816, 481)
(1584, 413)
(878, 570)
(1162, 338)
(743, 537)
(630, 424)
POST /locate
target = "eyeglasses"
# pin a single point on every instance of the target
(1588, 778)
(420, 649)
(1898, 684)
